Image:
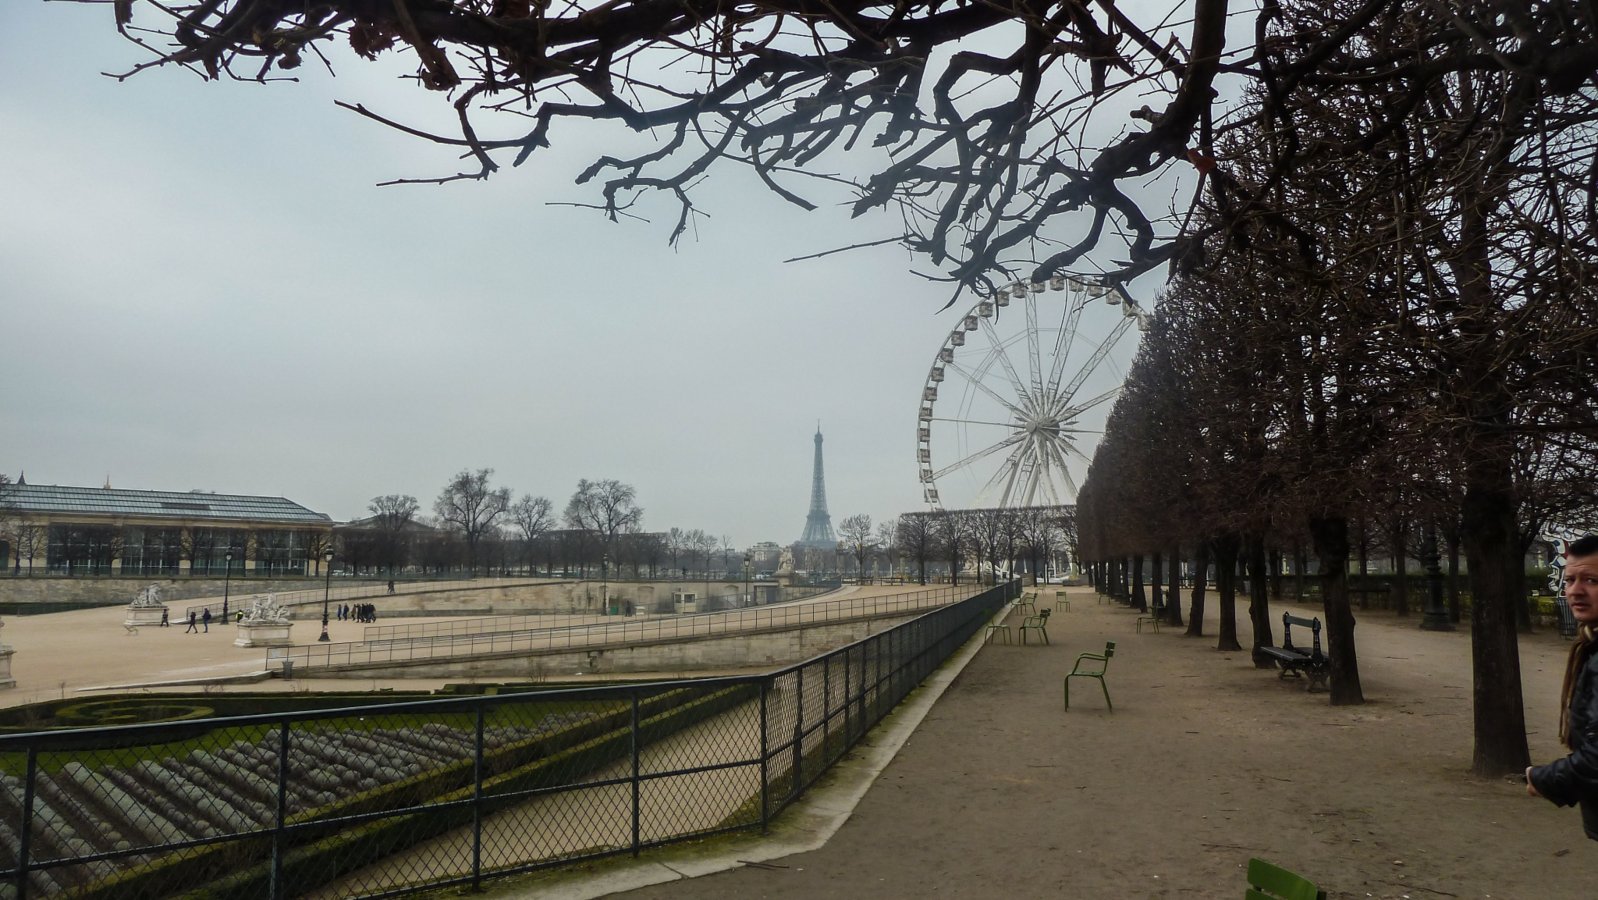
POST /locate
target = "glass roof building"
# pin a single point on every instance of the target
(84, 530)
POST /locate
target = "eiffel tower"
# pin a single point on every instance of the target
(818, 525)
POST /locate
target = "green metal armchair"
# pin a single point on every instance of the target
(1096, 665)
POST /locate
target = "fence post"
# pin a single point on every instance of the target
(765, 756)
(477, 804)
(635, 772)
(826, 710)
(798, 731)
(848, 701)
(25, 839)
(278, 849)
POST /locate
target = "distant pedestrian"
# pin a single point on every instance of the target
(391, 585)
(192, 629)
(207, 620)
(164, 622)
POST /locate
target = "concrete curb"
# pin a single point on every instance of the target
(805, 826)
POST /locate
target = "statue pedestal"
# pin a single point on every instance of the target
(263, 634)
(6, 681)
(144, 615)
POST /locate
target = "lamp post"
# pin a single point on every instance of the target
(749, 597)
(227, 577)
(327, 587)
(604, 584)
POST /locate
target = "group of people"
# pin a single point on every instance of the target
(358, 612)
(202, 620)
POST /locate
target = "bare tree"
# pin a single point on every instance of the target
(392, 516)
(29, 539)
(605, 508)
(470, 506)
(533, 519)
(917, 539)
(888, 543)
(857, 533)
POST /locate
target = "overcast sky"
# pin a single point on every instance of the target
(203, 289)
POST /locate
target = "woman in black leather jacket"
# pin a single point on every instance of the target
(1574, 779)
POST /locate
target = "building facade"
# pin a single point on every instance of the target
(109, 531)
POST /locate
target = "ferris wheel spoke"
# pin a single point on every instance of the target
(1099, 353)
(956, 421)
(1063, 342)
(1034, 362)
(979, 455)
(1006, 473)
(1003, 359)
(978, 383)
(1071, 412)
(1059, 450)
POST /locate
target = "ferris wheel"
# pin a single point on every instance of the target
(1001, 408)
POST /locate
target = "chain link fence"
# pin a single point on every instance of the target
(389, 799)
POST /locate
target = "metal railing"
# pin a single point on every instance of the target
(389, 799)
(313, 596)
(521, 622)
(613, 632)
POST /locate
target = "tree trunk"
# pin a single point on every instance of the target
(1330, 536)
(1259, 604)
(1495, 576)
(1226, 547)
(1140, 600)
(1195, 611)
(1173, 596)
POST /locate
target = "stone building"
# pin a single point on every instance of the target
(110, 531)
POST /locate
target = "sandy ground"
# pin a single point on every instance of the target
(1204, 762)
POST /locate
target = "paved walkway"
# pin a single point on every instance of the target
(995, 790)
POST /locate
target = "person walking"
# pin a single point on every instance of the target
(164, 622)
(191, 629)
(1573, 780)
(207, 620)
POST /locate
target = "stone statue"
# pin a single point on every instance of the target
(148, 598)
(785, 562)
(265, 611)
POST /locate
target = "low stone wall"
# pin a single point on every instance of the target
(110, 591)
(561, 597)
(751, 649)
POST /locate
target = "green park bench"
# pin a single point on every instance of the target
(1296, 663)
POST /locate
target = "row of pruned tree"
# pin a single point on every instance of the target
(1400, 327)
(1024, 540)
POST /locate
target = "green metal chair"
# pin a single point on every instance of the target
(1103, 665)
(1038, 623)
(1269, 882)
